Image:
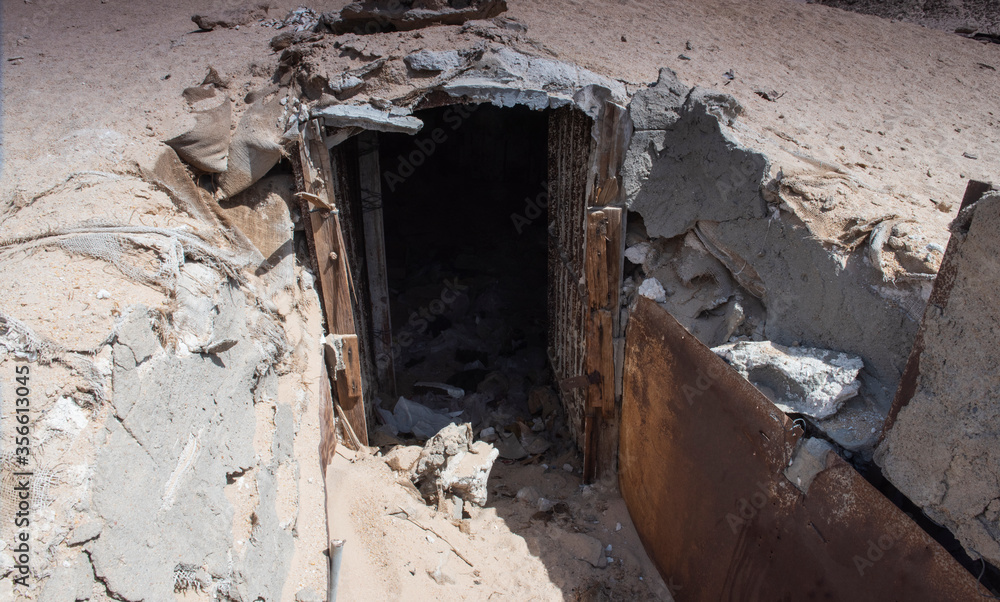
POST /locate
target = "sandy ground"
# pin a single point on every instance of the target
(908, 111)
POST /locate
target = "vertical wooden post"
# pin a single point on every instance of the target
(333, 275)
(602, 270)
(378, 281)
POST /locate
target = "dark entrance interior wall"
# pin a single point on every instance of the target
(466, 251)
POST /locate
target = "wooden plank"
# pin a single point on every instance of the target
(331, 263)
(602, 273)
(350, 376)
(378, 275)
(327, 426)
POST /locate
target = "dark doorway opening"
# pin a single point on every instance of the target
(465, 221)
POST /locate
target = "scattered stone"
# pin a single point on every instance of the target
(799, 380)
(488, 434)
(369, 118)
(652, 289)
(103, 294)
(232, 18)
(545, 504)
(771, 95)
(375, 16)
(543, 400)
(638, 254)
(568, 467)
(809, 459)
(403, 458)
(510, 447)
(528, 495)
(429, 60)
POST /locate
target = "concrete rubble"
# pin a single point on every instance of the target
(943, 451)
(453, 464)
(373, 16)
(799, 380)
(181, 492)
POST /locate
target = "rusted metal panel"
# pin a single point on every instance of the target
(570, 144)
(938, 301)
(702, 460)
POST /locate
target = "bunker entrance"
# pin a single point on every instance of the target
(466, 254)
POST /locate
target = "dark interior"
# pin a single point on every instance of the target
(466, 250)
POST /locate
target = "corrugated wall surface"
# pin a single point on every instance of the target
(570, 145)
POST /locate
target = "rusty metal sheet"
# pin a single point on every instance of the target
(702, 460)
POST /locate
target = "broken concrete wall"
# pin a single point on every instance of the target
(175, 431)
(738, 258)
(943, 452)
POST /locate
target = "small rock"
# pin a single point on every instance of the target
(429, 60)
(510, 447)
(568, 467)
(103, 294)
(403, 458)
(652, 289)
(489, 435)
(618, 526)
(440, 577)
(545, 504)
(638, 253)
(529, 495)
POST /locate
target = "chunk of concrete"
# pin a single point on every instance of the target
(403, 458)
(451, 464)
(373, 16)
(658, 107)
(809, 459)
(652, 289)
(369, 118)
(430, 60)
(799, 380)
(943, 451)
(684, 164)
